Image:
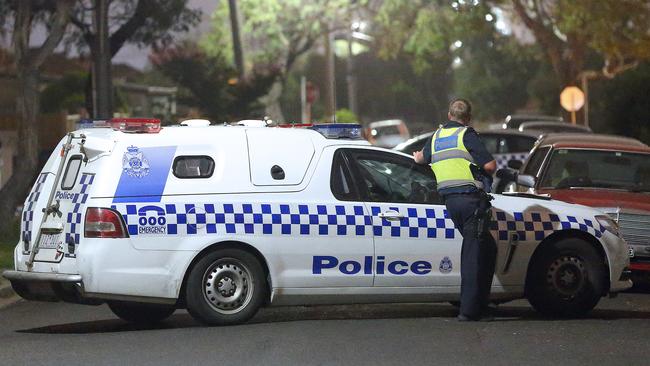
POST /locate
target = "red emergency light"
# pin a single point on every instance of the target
(298, 125)
(135, 125)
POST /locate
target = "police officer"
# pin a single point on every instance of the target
(462, 164)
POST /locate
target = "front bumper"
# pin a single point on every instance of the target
(618, 258)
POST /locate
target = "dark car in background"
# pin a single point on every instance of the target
(504, 145)
(545, 127)
(515, 120)
(611, 173)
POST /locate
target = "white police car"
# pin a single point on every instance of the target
(224, 219)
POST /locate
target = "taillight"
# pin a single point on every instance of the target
(104, 223)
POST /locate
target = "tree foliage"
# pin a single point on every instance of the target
(276, 32)
(567, 29)
(622, 105)
(139, 22)
(26, 15)
(212, 82)
(461, 42)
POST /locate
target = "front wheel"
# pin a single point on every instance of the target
(140, 313)
(225, 287)
(566, 279)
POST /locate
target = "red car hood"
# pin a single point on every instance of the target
(602, 198)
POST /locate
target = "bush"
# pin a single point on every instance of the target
(346, 116)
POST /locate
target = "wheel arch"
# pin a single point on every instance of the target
(226, 244)
(568, 234)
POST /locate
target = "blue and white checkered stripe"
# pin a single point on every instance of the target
(73, 219)
(417, 222)
(333, 220)
(28, 211)
(536, 226)
(284, 219)
(245, 218)
(502, 159)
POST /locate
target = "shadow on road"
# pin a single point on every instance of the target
(337, 312)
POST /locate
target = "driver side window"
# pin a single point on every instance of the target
(386, 177)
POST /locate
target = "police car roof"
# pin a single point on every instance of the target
(188, 135)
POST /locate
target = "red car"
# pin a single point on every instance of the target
(607, 172)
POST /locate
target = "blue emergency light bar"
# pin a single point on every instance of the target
(339, 130)
(90, 123)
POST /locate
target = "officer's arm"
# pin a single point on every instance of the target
(479, 152)
(490, 167)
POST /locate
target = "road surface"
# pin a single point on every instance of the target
(616, 333)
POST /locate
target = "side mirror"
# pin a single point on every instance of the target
(515, 164)
(526, 180)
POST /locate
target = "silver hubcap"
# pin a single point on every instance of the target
(228, 286)
(566, 276)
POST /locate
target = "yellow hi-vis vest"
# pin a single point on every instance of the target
(450, 160)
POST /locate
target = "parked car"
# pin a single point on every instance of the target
(504, 145)
(611, 173)
(545, 127)
(388, 133)
(514, 121)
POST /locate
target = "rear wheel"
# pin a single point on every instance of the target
(141, 313)
(225, 287)
(566, 279)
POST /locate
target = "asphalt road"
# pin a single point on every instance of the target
(616, 333)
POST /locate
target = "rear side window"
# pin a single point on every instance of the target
(193, 167)
(71, 172)
(341, 182)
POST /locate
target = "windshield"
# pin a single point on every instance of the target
(385, 131)
(570, 168)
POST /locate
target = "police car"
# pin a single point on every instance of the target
(222, 220)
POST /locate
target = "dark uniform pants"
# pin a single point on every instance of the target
(478, 256)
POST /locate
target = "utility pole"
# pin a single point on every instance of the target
(585, 76)
(102, 80)
(236, 37)
(351, 77)
(330, 80)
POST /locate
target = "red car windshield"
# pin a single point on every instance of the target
(573, 168)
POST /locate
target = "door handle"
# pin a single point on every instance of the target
(391, 215)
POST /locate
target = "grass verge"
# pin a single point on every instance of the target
(8, 240)
(7, 255)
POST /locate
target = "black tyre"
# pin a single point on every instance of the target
(141, 313)
(567, 279)
(225, 287)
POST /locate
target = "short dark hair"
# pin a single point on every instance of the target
(460, 109)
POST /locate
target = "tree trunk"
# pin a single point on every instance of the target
(236, 38)
(271, 101)
(20, 183)
(101, 70)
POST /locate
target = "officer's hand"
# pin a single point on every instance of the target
(418, 157)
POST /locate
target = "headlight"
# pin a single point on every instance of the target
(609, 224)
